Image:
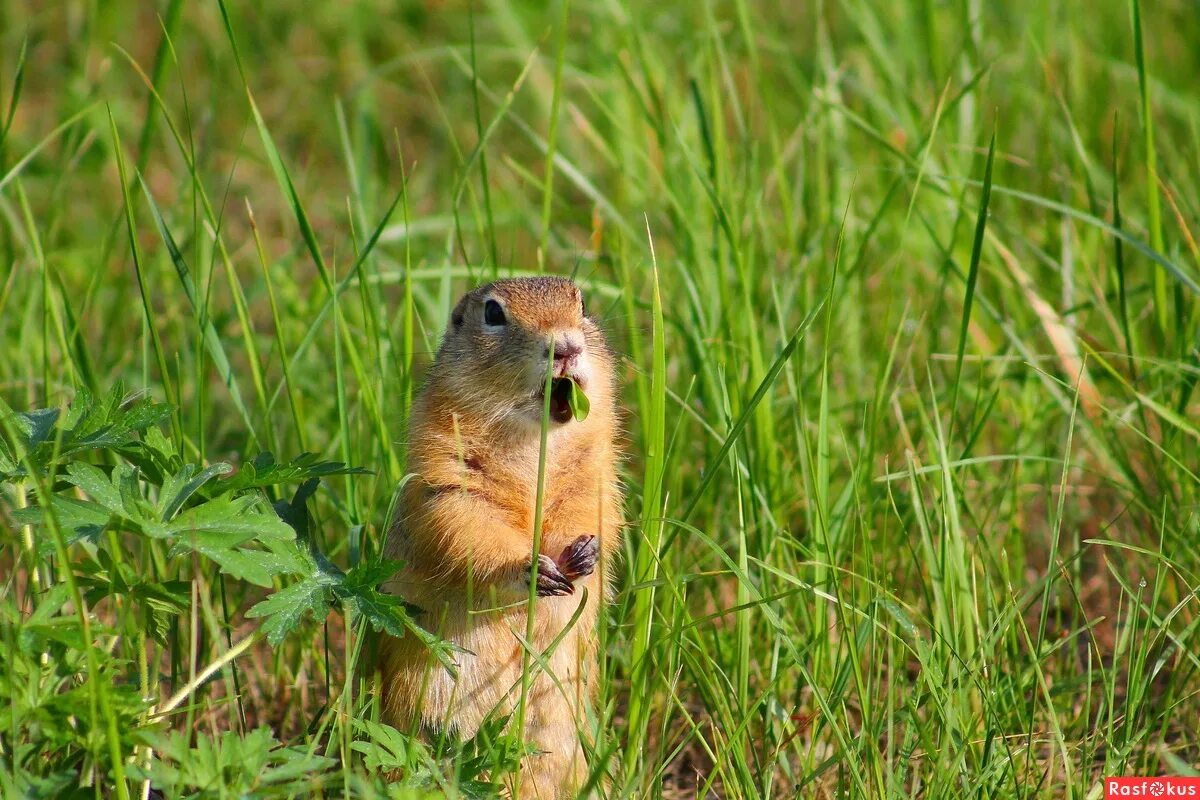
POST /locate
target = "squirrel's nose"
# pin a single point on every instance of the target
(565, 351)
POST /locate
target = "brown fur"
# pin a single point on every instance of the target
(464, 527)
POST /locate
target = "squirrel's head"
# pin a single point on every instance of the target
(502, 339)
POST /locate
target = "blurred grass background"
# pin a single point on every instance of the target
(950, 548)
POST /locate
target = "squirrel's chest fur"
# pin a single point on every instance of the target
(573, 496)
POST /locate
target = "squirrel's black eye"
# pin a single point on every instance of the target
(582, 308)
(493, 314)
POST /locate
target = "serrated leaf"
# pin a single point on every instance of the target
(50, 602)
(79, 518)
(154, 454)
(284, 610)
(386, 748)
(179, 488)
(141, 413)
(384, 612)
(240, 515)
(294, 763)
(291, 556)
(216, 530)
(106, 423)
(369, 576)
(95, 484)
(166, 594)
(241, 766)
(87, 413)
(157, 443)
(36, 426)
(256, 566)
(46, 624)
(110, 421)
(57, 785)
(389, 614)
(263, 471)
(247, 565)
(8, 460)
(64, 630)
(125, 478)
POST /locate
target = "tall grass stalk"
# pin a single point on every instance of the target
(884, 534)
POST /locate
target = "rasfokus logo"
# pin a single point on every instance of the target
(1151, 787)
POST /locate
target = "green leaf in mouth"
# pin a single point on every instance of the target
(580, 406)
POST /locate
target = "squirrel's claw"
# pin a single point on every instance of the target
(550, 580)
(579, 558)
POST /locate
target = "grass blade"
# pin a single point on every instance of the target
(973, 271)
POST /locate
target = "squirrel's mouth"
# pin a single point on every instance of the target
(560, 400)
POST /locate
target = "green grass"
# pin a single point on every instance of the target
(906, 297)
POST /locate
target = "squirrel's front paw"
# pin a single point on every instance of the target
(551, 582)
(579, 558)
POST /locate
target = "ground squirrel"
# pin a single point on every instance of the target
(465, 521)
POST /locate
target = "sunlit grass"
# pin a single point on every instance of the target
(906, 297)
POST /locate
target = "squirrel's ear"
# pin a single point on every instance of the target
(459, 312)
